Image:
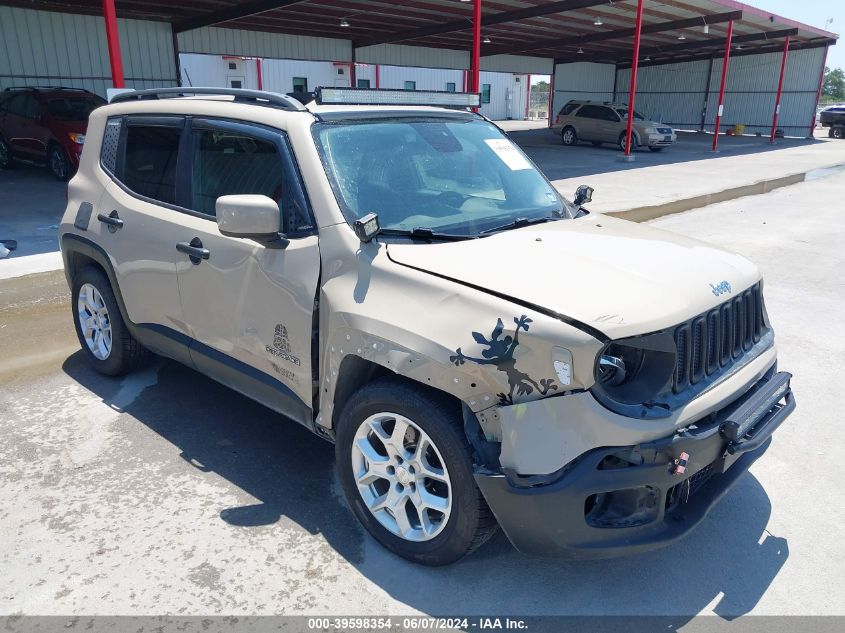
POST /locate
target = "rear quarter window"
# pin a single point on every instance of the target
(149, 162)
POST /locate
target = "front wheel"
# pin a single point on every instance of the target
(569, 136)
(405, 467)
(59, 163)
(621, 142)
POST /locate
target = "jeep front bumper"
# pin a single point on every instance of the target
(601, 506)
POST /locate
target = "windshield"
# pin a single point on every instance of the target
(623, 112)
(456, 176)
(73, 108)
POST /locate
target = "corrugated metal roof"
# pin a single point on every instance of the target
(568, 30)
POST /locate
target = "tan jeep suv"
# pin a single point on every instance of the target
(605, 122)
(401, 280)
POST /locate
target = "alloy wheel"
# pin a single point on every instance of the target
(58, 164)
(401, 477)
(4, 155)
(94, 322)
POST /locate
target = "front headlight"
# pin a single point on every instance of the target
(634, 371)
(77, 138)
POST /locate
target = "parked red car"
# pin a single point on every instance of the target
(45, 125)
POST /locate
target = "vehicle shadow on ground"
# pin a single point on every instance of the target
(557, 161)
(725, 565)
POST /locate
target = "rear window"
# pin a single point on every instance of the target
(569, 108)
(73, 108)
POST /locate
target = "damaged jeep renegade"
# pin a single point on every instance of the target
(389, 270)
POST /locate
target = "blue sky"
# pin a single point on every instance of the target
(814, 13)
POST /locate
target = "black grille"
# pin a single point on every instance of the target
(714, 340)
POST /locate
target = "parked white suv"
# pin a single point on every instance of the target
(401, 280)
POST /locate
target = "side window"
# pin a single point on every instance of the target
(589, 112)
(362, 83)
(410, 85)
(226, 161)
(485, 93)
(609, 115)
(149, 163)
(32, 109)
(450, 86)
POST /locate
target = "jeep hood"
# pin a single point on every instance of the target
(612, 275)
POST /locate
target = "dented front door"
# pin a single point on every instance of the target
(250, 305)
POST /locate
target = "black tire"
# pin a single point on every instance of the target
(470, 521)
(837, 132)
(569, 136)
(597, 143)
(6, 160)
(621, 142)
(656, 149)
(58, 163)
(126, 353)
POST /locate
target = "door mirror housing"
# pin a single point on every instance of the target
(250, 216)
(583, 194)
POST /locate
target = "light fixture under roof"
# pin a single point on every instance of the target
(647, 58)
(344, 23)
(682, 37)
(580, 51)
(598, 21)
(486, 40)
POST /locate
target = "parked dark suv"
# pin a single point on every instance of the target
(45, 125)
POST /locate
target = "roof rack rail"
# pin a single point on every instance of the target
(10, 88)
(257, 97)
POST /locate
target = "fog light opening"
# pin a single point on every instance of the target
(622, 508)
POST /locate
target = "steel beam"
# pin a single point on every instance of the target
(233, 12)
(487, 20)
(601, 36)
(721, 107)
(783, 60)
(113, 40)
(632, 93)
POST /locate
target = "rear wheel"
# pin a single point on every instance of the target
(59, 163)
(102, 333)
(569, 136)
(405, 466)
(838, 132)
(5, 155)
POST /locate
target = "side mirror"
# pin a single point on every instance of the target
(583, 194)
(250, 216)
(367, 227)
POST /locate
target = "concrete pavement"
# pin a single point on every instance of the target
(164, 492)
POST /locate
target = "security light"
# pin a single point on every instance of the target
(580, 51)
(598, 21)
(344, 23)
(682, 37)
(486, 40)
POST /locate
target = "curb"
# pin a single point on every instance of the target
(643, 214)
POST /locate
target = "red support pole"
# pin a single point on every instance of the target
(632, 94)
(780, 88)
(812, 132)
(725, 61)
(528, 98)
(475, 62)
(551, 93)
(113, 40)
(378, 83)
(258, 73)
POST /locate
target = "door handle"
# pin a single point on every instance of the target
(193, 250)
(112, 220)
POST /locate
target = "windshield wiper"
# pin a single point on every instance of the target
(422, 233)
(518, 223)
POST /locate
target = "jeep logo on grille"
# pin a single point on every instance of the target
(720, 288)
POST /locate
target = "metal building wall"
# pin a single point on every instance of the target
(675, 93)
(669, 93)
(221, 41)
(49, 48)
(404, 55)
(582, 80)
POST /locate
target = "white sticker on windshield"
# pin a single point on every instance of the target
(508, 152)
